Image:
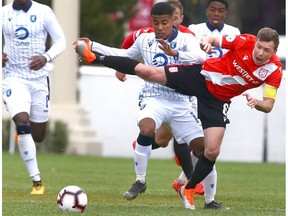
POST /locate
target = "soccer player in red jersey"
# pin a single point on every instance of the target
(250, 62)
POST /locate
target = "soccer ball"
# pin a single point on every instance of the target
(72, 199)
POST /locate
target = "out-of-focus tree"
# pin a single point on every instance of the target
(104, 21)
(265, 13)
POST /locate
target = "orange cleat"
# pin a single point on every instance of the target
(199, 189)
(83, 47)
(187, 196)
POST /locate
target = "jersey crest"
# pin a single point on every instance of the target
(263, 72)
(33, 18)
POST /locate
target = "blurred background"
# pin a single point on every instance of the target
(92, 113)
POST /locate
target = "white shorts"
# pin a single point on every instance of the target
(31, 96)
(179, 115)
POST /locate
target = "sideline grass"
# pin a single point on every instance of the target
(247, 188)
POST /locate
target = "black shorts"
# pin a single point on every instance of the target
(186, 79)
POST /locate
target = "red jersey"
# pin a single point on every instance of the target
(131, 38)
(236, 71)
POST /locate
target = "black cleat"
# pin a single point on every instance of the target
(132, 193)
(215, 205)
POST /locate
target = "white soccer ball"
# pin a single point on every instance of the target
(72, 199)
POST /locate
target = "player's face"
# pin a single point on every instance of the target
(177, 17)
(263, 51)
(163, 25)
(216, 13)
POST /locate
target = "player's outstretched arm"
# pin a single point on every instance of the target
(265, 105)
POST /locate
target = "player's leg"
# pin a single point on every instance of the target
(149, 120)
(17, 98)
(163, 136)
(214, 119)
(38, 121)
(205, 164)
(210, 187)
(123, 64)
(186, 127)
(38, 131)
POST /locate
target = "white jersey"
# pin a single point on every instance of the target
(205, 29)
(147, 46)
(25, 35)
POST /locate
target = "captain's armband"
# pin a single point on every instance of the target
(270, 92)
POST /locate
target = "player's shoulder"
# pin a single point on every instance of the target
(41, 7)
(276, 60)
(143, 30)
(184, 29)
(229, 29)
(195, 27)
(7, 7)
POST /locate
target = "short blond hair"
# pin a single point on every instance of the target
(176, 4)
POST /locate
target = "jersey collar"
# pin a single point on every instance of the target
(25, 8)
(212, 28)
(174, 34)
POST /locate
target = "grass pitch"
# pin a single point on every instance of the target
(247, 188)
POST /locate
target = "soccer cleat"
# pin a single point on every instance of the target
(215, 205)
(177, 185)
(83, 47)
(187, 196)
(137, 187)
(38, 188)
(199, 189)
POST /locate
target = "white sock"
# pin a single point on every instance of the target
(194, 160)
(27, 150)
(141, 157)
(210, 186)
(182, 178)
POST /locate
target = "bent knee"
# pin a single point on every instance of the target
(211, 154)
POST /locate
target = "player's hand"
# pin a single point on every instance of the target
(207, 47)
(4, 59)
(37, 62)
(166, 48)
(121, 76)
(251, 101)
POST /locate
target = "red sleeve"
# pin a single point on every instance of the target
(128, 41)
(185, 30)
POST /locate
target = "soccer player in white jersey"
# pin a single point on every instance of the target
(25, 26)
(216, 13)
(160, 105)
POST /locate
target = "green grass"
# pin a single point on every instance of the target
(247, 188)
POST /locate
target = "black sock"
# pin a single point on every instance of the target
(202, 169)
(183, 153)
(154, 144)
(122, 64)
